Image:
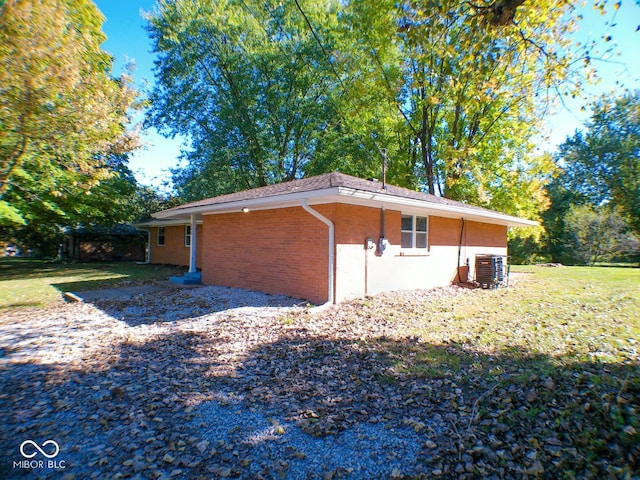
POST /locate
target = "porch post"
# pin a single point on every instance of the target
(148, 252)
(192, 247)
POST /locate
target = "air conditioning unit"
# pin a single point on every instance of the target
(492, 271)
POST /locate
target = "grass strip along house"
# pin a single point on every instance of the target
(328, 238)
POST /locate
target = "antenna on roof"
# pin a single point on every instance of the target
(383, 152)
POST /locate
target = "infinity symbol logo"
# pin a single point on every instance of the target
(35, 445)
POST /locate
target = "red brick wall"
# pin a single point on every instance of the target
(280, 251)
(485, 235)
(354, 224)
(284, 251)
(174, 251)
(477, 238)
(361, 272)
(446, 231)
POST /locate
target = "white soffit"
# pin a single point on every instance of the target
(261, 203)
(353, 197)
(417, 207)
(167, 222)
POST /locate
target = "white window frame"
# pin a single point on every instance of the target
(164, 233)
(414, 233)
(187, 235)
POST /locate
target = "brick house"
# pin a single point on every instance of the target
(328, 238)
(120, 242)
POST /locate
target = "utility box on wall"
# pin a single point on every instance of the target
(491, 271)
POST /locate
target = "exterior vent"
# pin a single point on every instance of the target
(492, 271)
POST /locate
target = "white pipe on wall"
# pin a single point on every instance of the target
(193, 246)
(331, 241)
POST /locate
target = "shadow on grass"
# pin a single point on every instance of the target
(142, 408)
(21, 305)
(28, 269)
(118, 275)
(96, 284)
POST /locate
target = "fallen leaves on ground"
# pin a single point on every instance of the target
(120, 395)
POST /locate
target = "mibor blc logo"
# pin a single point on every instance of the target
(32, 453)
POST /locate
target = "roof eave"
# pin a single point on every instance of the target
(166, 222)
(347, 195)
(455, 211)
(262, 203)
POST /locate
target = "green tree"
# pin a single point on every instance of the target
(473, 92)
(242, 81)
(63, 118)
(363, 60)
(597, 186)
(113, 200)
(602, 164)
(451, 91)
(553, 219)
(595, 234)
(148, 200)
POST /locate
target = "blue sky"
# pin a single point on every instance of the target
(620, 69)
(128, 41)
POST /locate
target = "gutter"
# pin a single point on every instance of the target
(461, 210)
(331, 246)
(267, 202)
(343, 195)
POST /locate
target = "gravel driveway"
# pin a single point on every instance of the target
(217, 383)
(204, 383)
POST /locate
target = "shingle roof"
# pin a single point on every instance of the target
(322, 182)
(319, 182)
(325, 182)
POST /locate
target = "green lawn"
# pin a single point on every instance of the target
(39, 283)
(559, 315)
(549, 366)
(538, 380)
(585, 312)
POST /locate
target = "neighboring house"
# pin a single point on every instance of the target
(169, 241)
(329, 238)
(120, 242)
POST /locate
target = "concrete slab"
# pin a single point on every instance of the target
(185, 280)
(92, 295)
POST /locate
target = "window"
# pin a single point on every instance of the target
(160, 239)
(413, 231)
(187, 235)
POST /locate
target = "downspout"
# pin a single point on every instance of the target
(148, 255)
(331, 242)
(460, 251)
